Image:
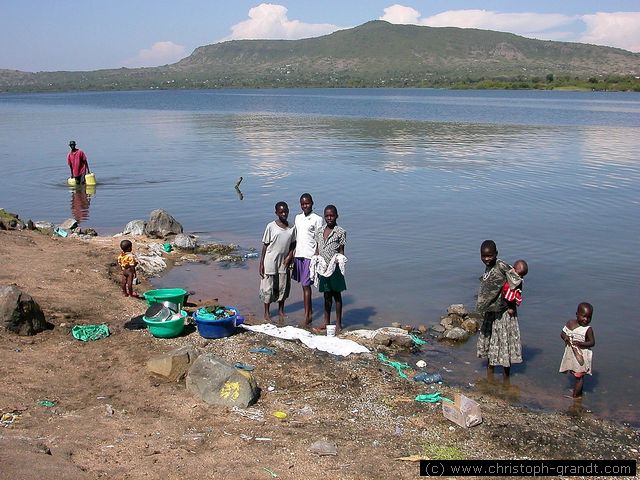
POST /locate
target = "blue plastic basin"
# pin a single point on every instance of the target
(208, 328)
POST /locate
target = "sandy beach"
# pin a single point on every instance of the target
(111, 419)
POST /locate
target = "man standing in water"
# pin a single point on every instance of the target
(77, 161)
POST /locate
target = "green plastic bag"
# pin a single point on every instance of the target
(87, 333)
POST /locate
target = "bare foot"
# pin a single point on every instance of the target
(320, 330)
(282, 320)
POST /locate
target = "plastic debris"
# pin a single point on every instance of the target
(270, 472)
(421, 364)
(47, 403)
(280, 415)
(432, 398)
(251, 255)
(88, 333)
(399, 366)
(8, 419)
(417, 340)
(167, 247)
(61, 232)
(267, 350)
(427, 377)
(243, 366)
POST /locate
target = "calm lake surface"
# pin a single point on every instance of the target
(420, 178)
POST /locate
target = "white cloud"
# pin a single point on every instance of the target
(160, 53)
(401, 14)
(616, 29)
(270, 21)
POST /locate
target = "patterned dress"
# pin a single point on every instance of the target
(499, 336)
(569, 361)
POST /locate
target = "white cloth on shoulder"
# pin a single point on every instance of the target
(318, 266)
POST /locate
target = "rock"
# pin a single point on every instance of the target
(382, 339)
(475, 316)
(423, 328)
(19, 313)
(469, 325)
(457, 309)
(456, 334)
(396, 324)
(404, 341)
(134, 227)
(69, 224)
(30, 225)
(173, 365)
(324, 447)
(42, 225)
(219, 383)
(438, 328)
(161, 224)
(451, 321)
(186, 242)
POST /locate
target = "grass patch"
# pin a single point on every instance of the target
(440, 452)
(220, 249)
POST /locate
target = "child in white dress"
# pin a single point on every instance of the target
(578, 338)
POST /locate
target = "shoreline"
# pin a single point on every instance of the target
(156, 426)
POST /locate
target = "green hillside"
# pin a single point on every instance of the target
(374, 54)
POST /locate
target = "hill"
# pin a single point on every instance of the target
(376, 53)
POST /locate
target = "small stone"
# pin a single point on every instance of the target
(396, 324)
(421, 364)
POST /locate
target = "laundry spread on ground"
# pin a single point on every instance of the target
(333, 345)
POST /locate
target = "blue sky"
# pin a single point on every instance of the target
(87, 35)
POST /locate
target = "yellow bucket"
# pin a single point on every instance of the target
(90, 179)
(71, 182)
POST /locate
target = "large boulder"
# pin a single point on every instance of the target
(173, 365)
(134, 227)
(161, 224)
(219, 383)
(19, 313)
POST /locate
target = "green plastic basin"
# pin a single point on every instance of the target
(173, 295)
(167, 329)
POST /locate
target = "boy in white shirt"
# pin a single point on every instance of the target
(307, 225)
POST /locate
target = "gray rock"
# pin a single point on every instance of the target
(438, 328)
(19, 313)
(161, 224)
(382, 339)
(42, 225)
(404, 341)
(457, 334)
(69, 224)
(219, 383)
(458, 309)
(186, 242)
(134, 227)
(324, 447)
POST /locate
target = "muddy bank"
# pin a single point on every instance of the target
(111, 419)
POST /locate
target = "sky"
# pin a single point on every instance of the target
(89, 35)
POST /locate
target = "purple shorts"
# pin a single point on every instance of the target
(301, 271)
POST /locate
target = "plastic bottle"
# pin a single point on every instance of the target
(251, 255)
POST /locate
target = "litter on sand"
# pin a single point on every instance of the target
(399, 366)
(432, 398)
(88, 333)
(243, 366)
(267, 350)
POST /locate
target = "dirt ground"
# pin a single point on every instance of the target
(112, 419)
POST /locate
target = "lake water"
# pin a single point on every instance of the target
(420, 178)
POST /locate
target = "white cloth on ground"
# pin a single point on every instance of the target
(333, 345)
(318, 266)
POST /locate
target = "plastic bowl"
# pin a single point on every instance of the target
(173, 295)
(167, 329)
(208, 327)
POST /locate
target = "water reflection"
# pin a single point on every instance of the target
(80, 200)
